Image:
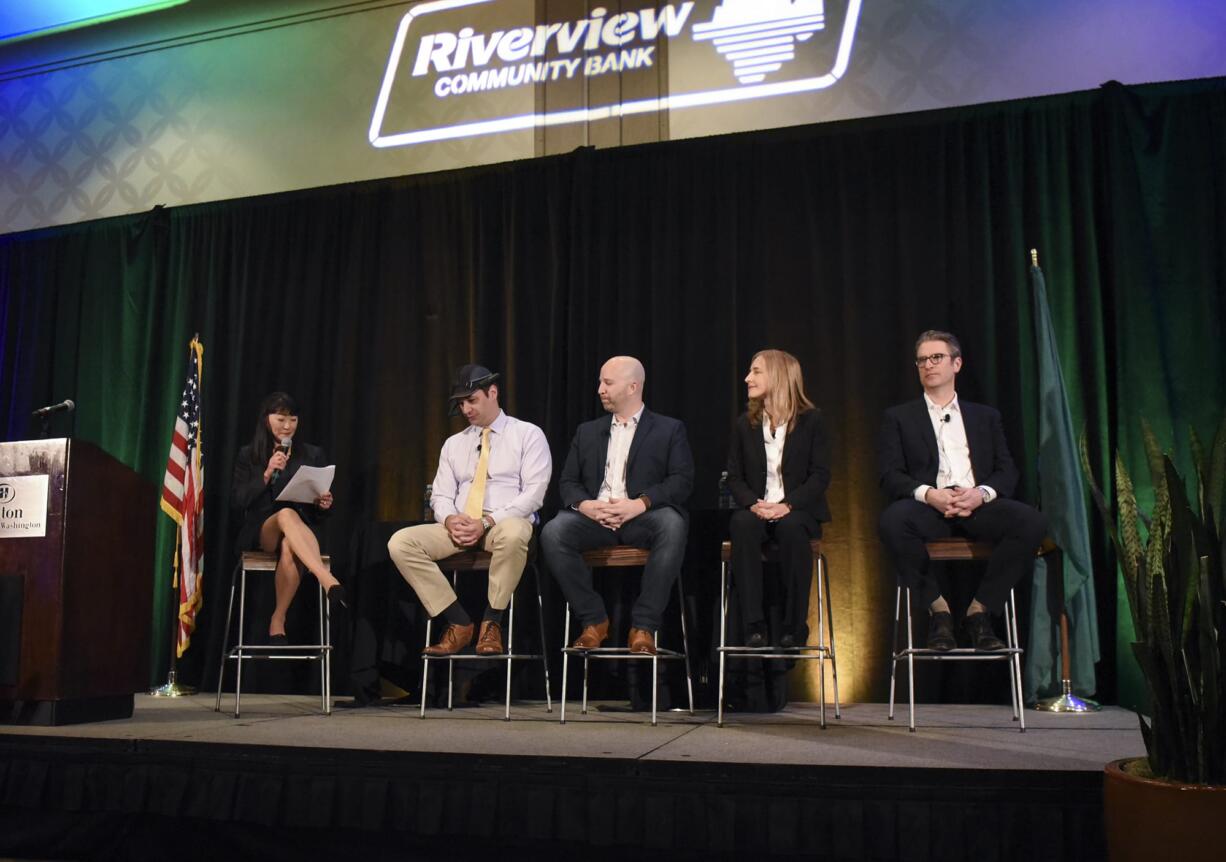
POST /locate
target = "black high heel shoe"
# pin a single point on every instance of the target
(336, 593)
(756, 636)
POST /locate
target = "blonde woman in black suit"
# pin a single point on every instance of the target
(778, 472)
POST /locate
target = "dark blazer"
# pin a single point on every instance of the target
(805, 467)
(908, 457)
(659, 465)
(255, 501)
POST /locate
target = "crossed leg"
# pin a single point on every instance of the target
(298, 547)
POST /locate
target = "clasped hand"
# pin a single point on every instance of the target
(614, 513)
(770, 511)
(954, 502)
(464, 531)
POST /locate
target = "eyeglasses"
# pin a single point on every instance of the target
(931, 359)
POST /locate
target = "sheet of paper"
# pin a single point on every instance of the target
(307, 484)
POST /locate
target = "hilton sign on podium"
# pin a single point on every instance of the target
(76, 583)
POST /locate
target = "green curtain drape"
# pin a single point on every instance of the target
(838, 242)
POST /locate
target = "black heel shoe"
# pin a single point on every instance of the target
(278, 640)
(756, 636)
(336, 594)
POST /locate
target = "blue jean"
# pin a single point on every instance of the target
(662, 531)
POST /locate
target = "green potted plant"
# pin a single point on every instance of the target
(1172, 802)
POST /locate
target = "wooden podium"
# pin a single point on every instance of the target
(76, 583)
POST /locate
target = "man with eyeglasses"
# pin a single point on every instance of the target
(947, 471)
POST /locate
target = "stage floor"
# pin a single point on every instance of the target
(946, 737)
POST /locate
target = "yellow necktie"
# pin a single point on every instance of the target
(476, 494)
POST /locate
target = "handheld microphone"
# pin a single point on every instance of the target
(67, 405)
(283, 446)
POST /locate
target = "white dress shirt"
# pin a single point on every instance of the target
(953, 452)
(774, 460)
(517, 473)
(621, 435)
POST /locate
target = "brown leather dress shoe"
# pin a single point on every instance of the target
(489, 641)
(593, 636)
(641, 642)
(454, 639)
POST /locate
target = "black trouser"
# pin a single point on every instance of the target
(792, 533)
(1015, 528)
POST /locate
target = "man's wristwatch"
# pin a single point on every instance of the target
(487, 523)
(984, 491)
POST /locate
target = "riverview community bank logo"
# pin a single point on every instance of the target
(447, 77)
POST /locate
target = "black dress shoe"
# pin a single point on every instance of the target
(979, 630)
(794, 638)
(941, 632)
(757, 637)
(337, 594)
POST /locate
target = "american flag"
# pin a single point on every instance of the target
(183, 497)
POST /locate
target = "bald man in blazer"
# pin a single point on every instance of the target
(947, 470)
(625, 482)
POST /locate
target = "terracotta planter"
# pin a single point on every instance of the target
(1149, 818)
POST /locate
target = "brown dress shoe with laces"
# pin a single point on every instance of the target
(641, 642)
(454, 639)
(593, 636)
(489, 641)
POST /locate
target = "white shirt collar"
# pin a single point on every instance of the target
(497, 426)
(634, 420)
(951, 407)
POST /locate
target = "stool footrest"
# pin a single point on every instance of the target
(777, 652)
(963, 654)
(622, 652)
(502, 656)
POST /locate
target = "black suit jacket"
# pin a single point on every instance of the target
(255, 501)
(805, 467)
(908, 457)
(659, 464)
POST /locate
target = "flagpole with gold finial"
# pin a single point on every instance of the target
(172, 687)
(1066, 701)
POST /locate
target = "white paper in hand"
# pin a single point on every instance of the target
(307, 485)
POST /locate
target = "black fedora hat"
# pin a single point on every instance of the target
(468, 379)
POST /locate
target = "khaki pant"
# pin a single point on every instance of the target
(415, 549)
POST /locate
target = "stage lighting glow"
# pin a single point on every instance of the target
(28, 19)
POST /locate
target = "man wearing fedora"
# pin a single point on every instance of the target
(491, 480)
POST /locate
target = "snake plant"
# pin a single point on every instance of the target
(1173, 570)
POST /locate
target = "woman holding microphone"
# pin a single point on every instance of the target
(263, 469)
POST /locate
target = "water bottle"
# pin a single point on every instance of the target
(426, 510)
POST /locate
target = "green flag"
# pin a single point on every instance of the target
(1062, 498)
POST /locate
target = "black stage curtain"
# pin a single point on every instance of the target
(837, 242)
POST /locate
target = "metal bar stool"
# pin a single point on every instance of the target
(821, 652)
(479, 561)
(947, 551)
(616, 557)
(259, 561)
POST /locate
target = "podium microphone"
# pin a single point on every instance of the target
(283, 446)
(67, 405)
